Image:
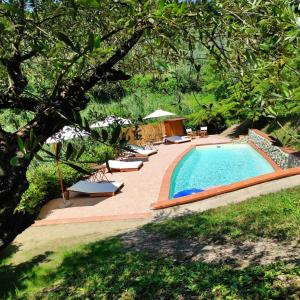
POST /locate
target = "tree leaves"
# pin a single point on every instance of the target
(69, 151)
(115, 134)
(64, 38)
(80, 152)
(104, 135)
(77, 168)
(14, 161)
(89, 3)
(21, 144)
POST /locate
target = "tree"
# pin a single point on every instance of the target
(52, 54)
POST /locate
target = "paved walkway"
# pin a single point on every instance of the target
(141, 188)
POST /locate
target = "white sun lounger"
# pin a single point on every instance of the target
(178, 139)
(124, 166)
(141, 150)
(95, 189)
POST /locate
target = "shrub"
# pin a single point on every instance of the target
(44, 185)
(43, 178)
(98, 153)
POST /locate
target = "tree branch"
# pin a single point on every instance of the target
(28, 55)
(110, 34)
(21, 102)
(106, 67)
(17, 82)
(114, 75)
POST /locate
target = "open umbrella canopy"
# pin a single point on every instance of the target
(67, 133)
(110, 121)
(158, 114)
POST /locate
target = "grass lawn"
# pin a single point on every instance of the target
(107, 270)
(275, 216)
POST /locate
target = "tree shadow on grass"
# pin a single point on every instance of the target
(107, 270)
(237, 254)
(12, 276)
(7, 252)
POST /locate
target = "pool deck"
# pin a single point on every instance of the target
(143, 188)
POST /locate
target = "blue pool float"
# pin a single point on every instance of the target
(187, 192)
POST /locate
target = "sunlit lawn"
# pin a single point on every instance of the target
(275, 215)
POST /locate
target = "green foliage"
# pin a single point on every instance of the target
(44, 185)
(286, 131)
(97, 153)
(11, 121)
(274, 216)
(169, 81)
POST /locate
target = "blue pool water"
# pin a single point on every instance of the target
(209, 166)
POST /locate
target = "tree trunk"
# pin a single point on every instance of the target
(13, 182)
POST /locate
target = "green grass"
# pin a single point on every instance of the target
(106, 270)
(275, 216)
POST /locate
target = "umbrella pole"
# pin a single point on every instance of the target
(65, 202)
(163, 133)
(60, 179)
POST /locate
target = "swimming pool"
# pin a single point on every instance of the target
(211, 166)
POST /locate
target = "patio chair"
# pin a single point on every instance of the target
(190, 133)
(203, 131)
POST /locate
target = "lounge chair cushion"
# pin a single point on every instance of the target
(141, 150)
(119, 165)
(146, 152)
(90, 187)
(178, 139)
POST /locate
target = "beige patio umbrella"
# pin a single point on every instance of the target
(159, 113)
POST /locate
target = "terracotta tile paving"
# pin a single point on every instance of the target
(141, 188)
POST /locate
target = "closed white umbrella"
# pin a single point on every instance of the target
(110, 121)
(158, 114)
(67, 133)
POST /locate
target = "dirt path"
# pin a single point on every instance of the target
(38, 240)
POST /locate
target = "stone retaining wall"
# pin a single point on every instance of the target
(283, 159)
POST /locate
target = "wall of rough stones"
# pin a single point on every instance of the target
(283, 159)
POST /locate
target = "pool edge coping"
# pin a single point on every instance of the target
(163, 198)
